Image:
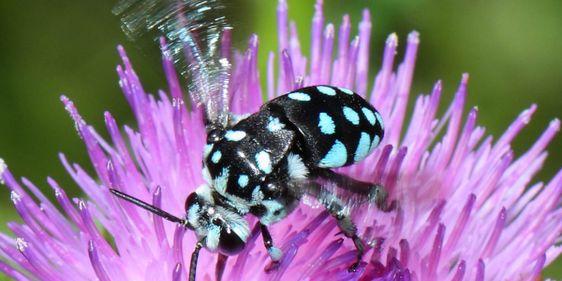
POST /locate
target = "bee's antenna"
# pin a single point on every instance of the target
(148, 207)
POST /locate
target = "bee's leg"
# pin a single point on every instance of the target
(275, 253)
(375, 192)
(336, 209)
(219, 268)
(193, 263)
(349, 229)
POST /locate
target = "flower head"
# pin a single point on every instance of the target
(468, 209)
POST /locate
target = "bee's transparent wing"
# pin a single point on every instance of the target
(192, 30)
(322, 193)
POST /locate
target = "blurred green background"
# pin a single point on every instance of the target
(511, 48)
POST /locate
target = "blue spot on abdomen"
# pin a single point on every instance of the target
(379, 119)
(336, 156)
(326, 124)
(326, 90)
(362, 147)
(299, 96)
(351, 115)
(347, 91)
(375, 143)
(369, 115)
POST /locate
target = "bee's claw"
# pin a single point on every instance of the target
(274, 265)
(354, 266)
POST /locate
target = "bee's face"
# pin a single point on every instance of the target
(220, 229)
(230, 243)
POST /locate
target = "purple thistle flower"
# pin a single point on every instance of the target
(467, 207)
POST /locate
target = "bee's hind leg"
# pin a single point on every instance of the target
(336, 207)
(349, 229)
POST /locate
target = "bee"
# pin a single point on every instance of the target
(264, 163)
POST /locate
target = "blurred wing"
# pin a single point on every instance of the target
(323, 194)
(192, 30)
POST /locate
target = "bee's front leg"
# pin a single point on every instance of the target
(219, 268)
(275, 253)
(193, 263)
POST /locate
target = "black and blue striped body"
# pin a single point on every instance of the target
(252, 163)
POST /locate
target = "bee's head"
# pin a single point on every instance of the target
(214, 134)
(218, 227)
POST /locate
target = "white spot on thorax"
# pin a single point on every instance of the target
(264, 162)
(243, 180)
(234, 135)
(274, 124)
(216, 157)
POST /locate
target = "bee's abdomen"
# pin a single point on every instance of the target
(337, 126)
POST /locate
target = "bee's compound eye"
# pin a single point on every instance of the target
(215, 135)
(230, 243)
(216, 221)
(273, 190)
(191, 199)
